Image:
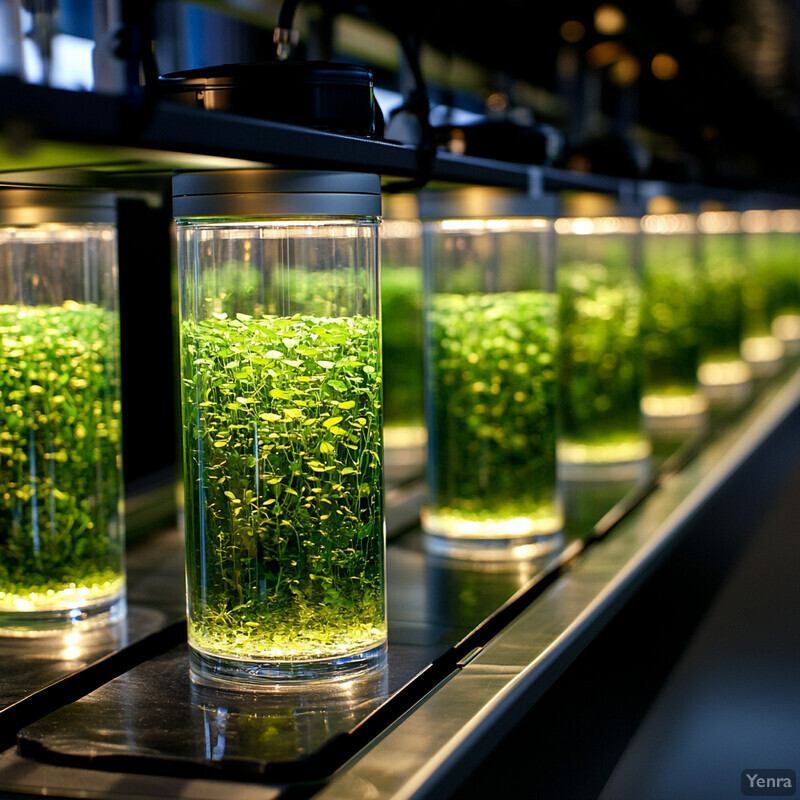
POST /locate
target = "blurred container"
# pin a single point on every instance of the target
(772, 246)
(600, 299)
(491, 382)
(725, 376)
(401, 315)
(672, 404)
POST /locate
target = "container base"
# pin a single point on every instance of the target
(614, 461)
(787, 328)
(494, 550)
(764, 355)
(726, 382)
(491, 538)
(217, 671)
(79, 618)
(668, 416)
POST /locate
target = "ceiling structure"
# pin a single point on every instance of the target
(720, 104)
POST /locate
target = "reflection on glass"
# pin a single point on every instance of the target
(725, 377)
(281, 723)
(672, 404)
(72, 645)
(587, 500)
(601, 358)
(491, 348)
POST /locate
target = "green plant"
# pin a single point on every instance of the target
(492, 432)
(670, 309)
(401, 310)
(721, 313)
(601, 359)
(774, 258)
(60, 481)
(283, 475)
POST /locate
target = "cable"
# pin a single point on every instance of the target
(285, 36)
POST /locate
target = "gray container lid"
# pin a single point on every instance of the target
(34, 206)
(484, 203)
(275, 193)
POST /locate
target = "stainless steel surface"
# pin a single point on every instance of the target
(521, 662)
(26, 778)
(33, 665)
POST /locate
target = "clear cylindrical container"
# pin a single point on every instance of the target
(672, 403)
(725, 376)
(772, 247)
(61, 495)
(600, 298)
(491, 375)
(761, 348)
(401, 311)
(282, 415)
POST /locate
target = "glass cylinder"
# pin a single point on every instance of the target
(772, 247)
(599, 284)
(61, 491)
(490, 358)
(761, 349)
(672, 403)
(282, 415)
(725, 377)
(401, 311)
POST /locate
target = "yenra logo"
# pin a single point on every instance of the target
(769, 782)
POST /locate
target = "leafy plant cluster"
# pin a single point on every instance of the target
(492, 433)
(721, 316)
(401, 308)
(670, 310)
(774, 263)
(283, 474)
(60, 480)
(601, 357)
